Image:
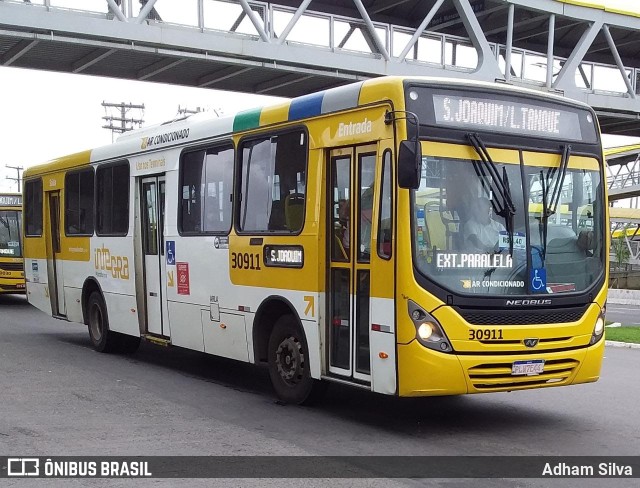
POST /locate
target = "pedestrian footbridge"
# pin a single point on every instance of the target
(291, 47)
(623, 167)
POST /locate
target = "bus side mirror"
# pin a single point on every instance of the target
(409, 164)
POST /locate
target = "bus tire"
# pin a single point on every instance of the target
(102, 339)
(289, 367)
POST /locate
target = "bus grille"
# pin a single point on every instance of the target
(522, 317)
(12, 266)
(485, 377)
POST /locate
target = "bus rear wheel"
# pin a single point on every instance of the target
(102, 339)
(289, 367)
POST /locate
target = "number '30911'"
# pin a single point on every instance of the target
(485, 334)
(245, 260)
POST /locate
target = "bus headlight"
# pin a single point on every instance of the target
(429, 332)
(598, 329)
(425, 331)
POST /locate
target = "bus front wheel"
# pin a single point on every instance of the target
(102, 339)
(289, 367)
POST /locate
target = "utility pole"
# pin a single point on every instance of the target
(19, 178)
(120, 123)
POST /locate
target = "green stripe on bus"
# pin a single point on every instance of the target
(249, 119)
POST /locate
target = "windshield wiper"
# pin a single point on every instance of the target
(557, 189)
(550, 205)
(506, 209)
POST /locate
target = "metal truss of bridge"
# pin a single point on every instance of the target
(623, 181)
(288, 48)
(625, 226)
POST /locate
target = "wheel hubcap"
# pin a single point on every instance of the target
(290, 360)
(95, 318)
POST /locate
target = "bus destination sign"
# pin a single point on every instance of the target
(11, 200)
(483, 113)
(284, 256)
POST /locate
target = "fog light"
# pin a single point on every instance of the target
(425, 331)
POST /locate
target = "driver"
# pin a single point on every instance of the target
(481, 232)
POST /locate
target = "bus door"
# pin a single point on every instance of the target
(352, 186)
(152, 193)
(55, 263)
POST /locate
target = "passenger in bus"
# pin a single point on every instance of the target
(366, 218)
(342, 224)
(366, 204)
(481, 232)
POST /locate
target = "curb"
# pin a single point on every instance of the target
(628, 345)
(623, 301)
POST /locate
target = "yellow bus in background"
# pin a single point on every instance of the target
(330, 237)
(11, 260)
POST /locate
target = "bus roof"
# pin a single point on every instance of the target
(201, 127)
(62, 163)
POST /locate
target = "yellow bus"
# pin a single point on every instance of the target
(11, 261)
(330, 238)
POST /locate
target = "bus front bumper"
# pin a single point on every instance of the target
(424, 372)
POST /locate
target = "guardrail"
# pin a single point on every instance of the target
(628, 174)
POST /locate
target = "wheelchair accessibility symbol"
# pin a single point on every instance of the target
(538, 280)
(171, 253)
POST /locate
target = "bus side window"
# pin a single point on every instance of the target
(191, 168)
(273, 183)
(33, 207)
(78, 202)
(218, 181)
(112, 199)
(206, 180)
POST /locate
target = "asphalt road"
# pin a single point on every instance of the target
(59, 397)
(625, 314)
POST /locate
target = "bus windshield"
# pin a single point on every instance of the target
(10, 223)
(532, 227)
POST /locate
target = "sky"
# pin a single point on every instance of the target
(46, 115)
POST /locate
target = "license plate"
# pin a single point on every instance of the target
(531, 367)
